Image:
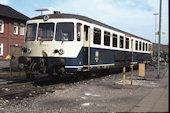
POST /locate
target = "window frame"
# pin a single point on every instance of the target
(1, 48)
(126, 44)
(144, 46)
(140, 46)
(55, 38)
(22, 29)
(99, 32)
(115, 40)
(80, 28)
(15, 25)
(121, 39)
(2, 26)
(36, 27)
(47, 38)
(136, 45)
(106, 38)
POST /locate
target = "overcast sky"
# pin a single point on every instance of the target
(133, 16)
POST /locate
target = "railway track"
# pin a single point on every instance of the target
(36, 87)
(29, 91)
(40, 86)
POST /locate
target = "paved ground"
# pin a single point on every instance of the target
(157, 100)
(104, 94)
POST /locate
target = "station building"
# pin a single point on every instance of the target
(12, 29)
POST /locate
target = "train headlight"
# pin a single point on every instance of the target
(28, 50)
(61, 51)
(46, 17)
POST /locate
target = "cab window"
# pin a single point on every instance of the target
(31, 32)
(64, 32)
(45, 31)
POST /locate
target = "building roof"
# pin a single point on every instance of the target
(62, 15)
(6, 11)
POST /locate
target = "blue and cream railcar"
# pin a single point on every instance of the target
(67, 43)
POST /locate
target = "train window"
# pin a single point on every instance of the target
(31, 32)
(127, 43)
(97, 36)
(107, 38)
(121, 41)
(146, 47)
(79, 28)
(132, 46)
(46, 31)
(140, 46)
(143, 46)
(64, 32)
(136, 45)
(114, 40)
(86, 32)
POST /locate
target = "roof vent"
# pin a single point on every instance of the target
(57, 12)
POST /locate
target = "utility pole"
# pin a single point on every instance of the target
(155, 33)
(159, 40)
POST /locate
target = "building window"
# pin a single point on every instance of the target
(146, 47)
(114, 40)
(136, 45)
(121, 41)
(15, 28)
(97, 36)
(127, 43)
(22, 29)
(1, 26)
(79, 28)
(106, 38)
(1, 49)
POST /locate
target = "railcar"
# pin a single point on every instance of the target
(66, 43)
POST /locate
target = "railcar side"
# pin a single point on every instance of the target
(65, 44)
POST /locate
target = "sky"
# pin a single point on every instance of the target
(133, 16)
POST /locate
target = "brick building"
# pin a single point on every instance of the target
(162, 48)
(12, 28)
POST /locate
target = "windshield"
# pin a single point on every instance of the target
(64, 32)
(31, 32)
(46, 31)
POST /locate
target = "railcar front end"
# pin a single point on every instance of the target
(52, 46)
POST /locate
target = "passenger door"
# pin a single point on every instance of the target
(86, 51)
